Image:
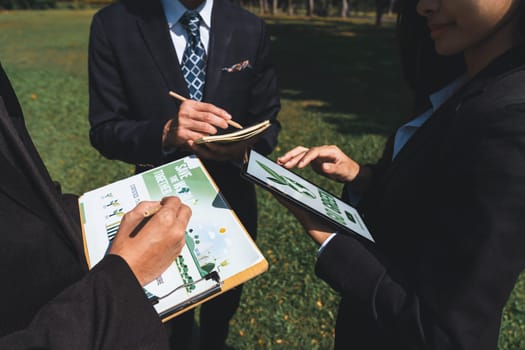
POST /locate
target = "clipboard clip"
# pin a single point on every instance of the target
(213, 275)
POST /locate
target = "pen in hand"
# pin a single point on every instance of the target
(182, 99)
(148, 214)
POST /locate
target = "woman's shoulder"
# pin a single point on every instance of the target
(502, 82)
(490, 94)
(507, 89)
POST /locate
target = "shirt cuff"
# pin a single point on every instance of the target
(325, 243)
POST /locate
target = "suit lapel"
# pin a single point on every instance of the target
(507, 63)
(431, 130)
(423, 138)
(34, 171)
(12, 176)
(424, 134)
(220, 37)
(156, 34)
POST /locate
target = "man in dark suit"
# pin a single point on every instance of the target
(48, 299)
(138, 53)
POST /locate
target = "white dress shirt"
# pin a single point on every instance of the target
(173, 10)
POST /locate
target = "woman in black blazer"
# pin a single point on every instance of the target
(446, 203)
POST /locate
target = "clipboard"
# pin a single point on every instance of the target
(219, 253)
(279, 180)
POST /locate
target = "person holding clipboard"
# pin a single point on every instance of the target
(49, 299)
(445, 203)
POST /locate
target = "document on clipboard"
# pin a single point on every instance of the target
(277, 179)
(219, 253)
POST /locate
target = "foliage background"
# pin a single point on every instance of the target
(340, 84)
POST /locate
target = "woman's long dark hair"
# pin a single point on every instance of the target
(423, 69)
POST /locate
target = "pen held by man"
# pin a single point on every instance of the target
(182, 99)
(148, 214)
(150, 238)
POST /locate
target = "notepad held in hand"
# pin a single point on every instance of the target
(235, 136)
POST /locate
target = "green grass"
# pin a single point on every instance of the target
(45, 56)
(340, 83)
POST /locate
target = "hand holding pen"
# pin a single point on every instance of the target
(182, 99)
(149, 243)
(194, 120)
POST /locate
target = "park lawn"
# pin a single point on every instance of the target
(340, 84)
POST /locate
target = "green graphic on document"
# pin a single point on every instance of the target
(207, 241)
(177, 179)
(286, 181)
(207, 247)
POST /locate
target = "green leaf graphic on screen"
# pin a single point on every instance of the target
(350, 217)
(286, 181)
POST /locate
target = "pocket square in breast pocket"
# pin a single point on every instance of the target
(237, 67)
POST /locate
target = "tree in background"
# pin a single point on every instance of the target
(322, 8)
(344, 8)
(381, 6)
(27, 4)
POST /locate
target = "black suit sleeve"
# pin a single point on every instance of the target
(116, 132)
(353, 196)
(478, 219)
(107, 309)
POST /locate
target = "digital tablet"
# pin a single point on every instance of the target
(275, 178)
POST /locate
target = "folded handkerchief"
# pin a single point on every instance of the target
(238, 66)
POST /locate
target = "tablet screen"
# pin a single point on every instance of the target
(280, 180)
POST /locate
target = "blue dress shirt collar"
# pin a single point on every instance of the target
(174, 9)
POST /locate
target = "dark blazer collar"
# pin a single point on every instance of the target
(220, 37)
(8, 94)
(509, 62)
(12, 173)
(31, 168)
(156, 33)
